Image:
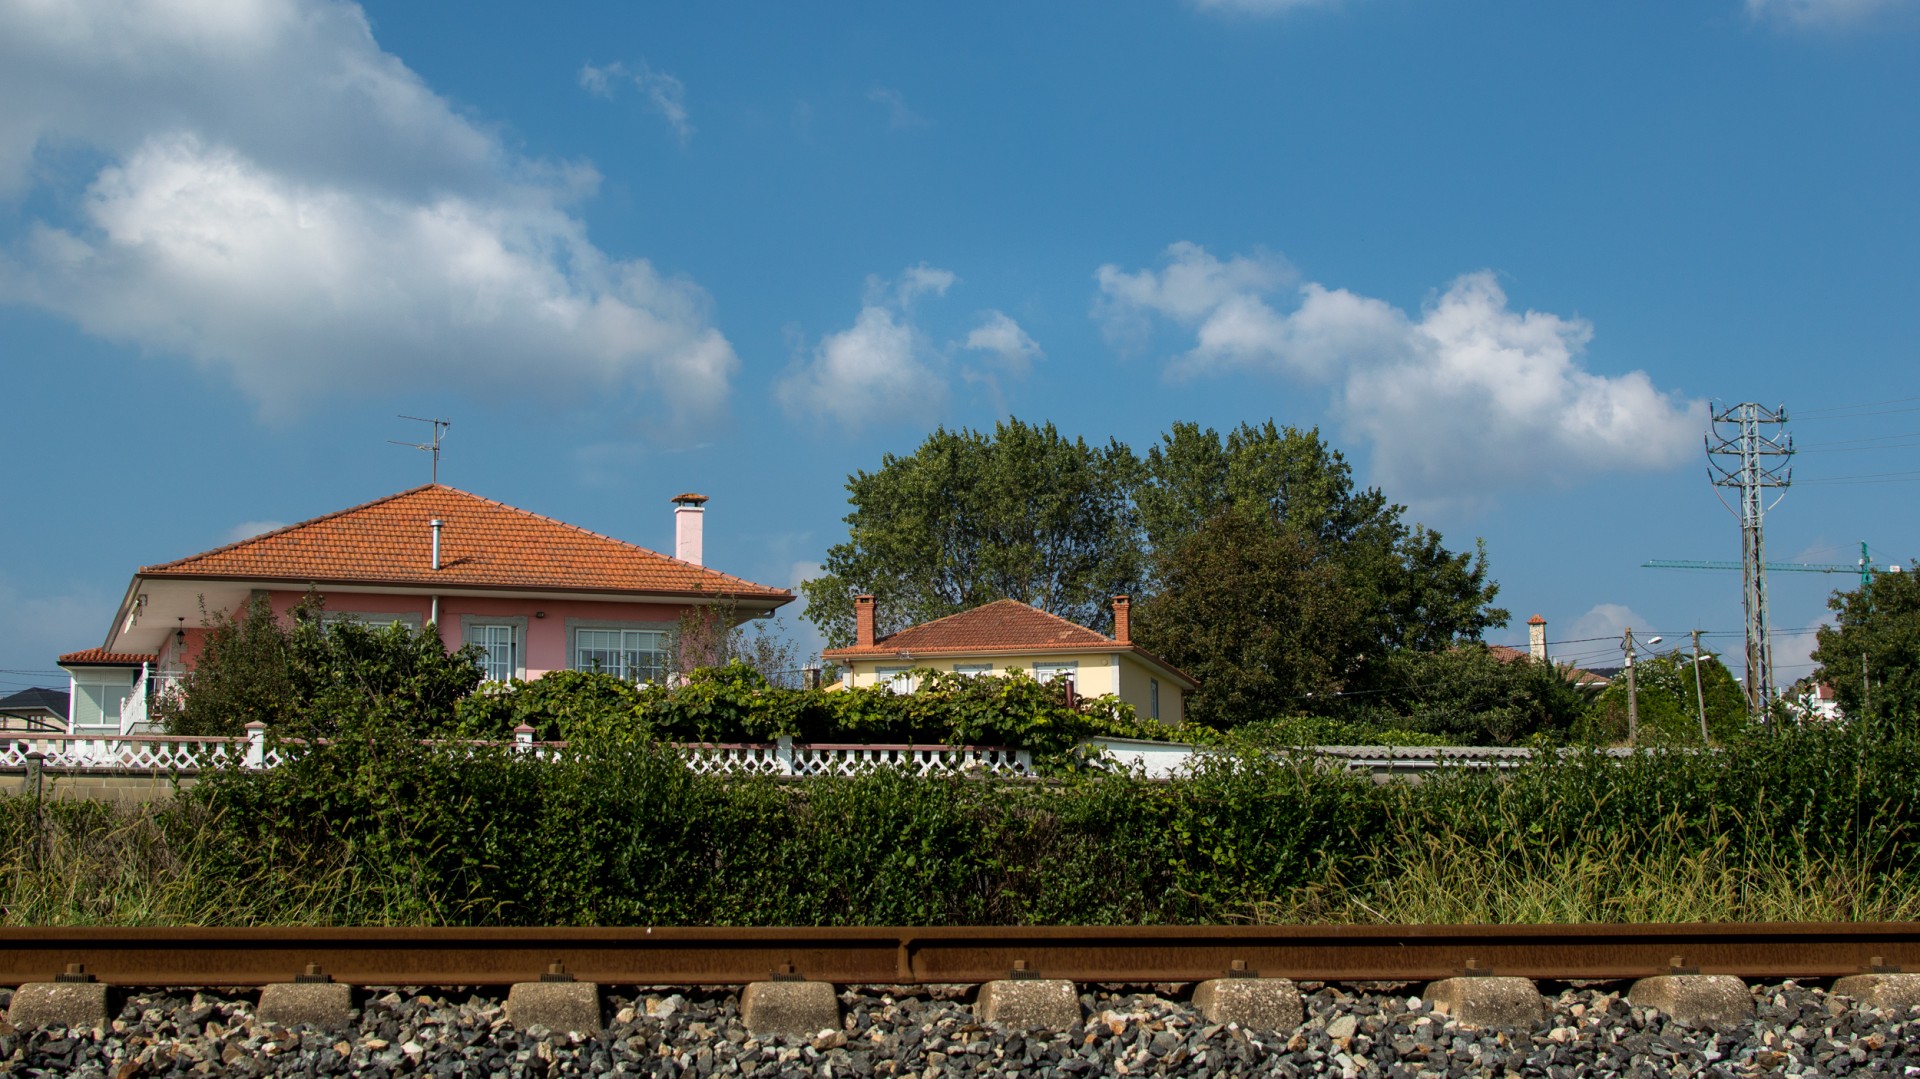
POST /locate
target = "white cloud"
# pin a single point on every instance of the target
(916, 282)
(1590, 633)
(899, 116)
(284, 202)
(1000, 336)
(667, 94)
(250, 529)
(1817, 12)
(880, 368)
(1466, 397)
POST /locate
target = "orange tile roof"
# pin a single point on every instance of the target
(483, 544)
(1006, 625)
(1509, 654)
(100, 657)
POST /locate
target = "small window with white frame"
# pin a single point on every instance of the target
(499, 649)
(1153, 696)
(898, 679)
(98, 698)
(973, 670)
(1047, 672)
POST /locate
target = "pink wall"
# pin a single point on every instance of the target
(546, 647)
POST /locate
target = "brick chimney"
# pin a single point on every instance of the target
(1122, 632)
(689, 513)
(1537, 638)
(863, 621)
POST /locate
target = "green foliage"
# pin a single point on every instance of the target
(1669, 703)
(1810, 823)
(1872, 658)
(1280, 585)
(1022, 513)
(1256, 614)
(1468, 696)
(308, 679)
(736, 703)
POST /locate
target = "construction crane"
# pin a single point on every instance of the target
(1866, 567)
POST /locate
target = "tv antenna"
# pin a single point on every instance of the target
(432, 447)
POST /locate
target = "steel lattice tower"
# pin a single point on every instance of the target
(1738, 456)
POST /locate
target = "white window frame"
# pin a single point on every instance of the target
(897, 679)
(1153, 696)
(1047, 672)
(660, 638)
(117, 688)
(516, 627)
(973, 670)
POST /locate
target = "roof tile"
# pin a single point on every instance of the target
(91, 657)
(483, 544)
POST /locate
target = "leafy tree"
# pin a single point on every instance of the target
(1669, 704)
(1466, 694)
(1396, 587)
(971, 517)
(308, 679)
(1872, 658)
(1256, 612)
(1413, 591)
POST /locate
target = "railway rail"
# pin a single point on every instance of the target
(679, 956)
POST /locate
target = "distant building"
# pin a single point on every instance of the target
(532, 593)
(1008, 635)
(35, 709)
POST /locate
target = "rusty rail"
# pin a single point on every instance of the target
(184, 956)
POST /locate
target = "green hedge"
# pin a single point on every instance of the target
(1810, 824)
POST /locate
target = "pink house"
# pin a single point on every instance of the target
(534, 594)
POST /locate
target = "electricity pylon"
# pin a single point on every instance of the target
(1738, 453)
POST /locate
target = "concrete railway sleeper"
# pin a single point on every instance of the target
(929, 1031)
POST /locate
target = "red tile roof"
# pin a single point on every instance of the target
(1509, 654)
(100, 657)
(1005, 625)
(483, 544)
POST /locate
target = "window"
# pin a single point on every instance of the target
(1153, 696)
(500, 653)
(973, 668)
(637, 655)
(897, 679)
(1047, 672)
(97, 701)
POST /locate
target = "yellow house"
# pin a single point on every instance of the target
(1008, 635)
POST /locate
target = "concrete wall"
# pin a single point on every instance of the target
(125, 788)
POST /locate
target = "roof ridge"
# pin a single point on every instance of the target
(949, 617)
(257, 537)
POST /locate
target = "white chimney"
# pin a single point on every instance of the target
(689, 510)
(435, 525)
(1537, 638)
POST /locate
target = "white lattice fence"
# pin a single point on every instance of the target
(167, 753)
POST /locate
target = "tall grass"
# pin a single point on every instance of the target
(1808, 825)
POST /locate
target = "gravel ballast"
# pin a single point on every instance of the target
(931, 1031)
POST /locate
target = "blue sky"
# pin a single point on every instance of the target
(1503, 254)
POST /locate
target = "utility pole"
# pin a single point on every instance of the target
(1633, 697)
(1699, 693)
(1742, 455)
